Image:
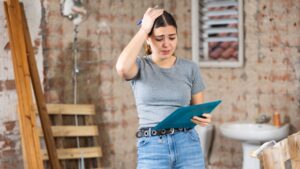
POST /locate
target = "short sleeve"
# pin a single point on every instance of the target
(139, 65)
(197, 82)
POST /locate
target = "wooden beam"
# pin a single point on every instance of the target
(39, 96)
(71, 109)
(29, 138)
(72, 131)
(77, 153)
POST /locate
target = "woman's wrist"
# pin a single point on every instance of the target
(144, 30)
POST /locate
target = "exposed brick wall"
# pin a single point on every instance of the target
(102, 36)
(268, 82)
(10, 146)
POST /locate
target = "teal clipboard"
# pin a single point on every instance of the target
(181, 118)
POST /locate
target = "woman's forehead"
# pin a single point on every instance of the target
(164, 30)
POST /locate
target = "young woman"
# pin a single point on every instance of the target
(161, 83)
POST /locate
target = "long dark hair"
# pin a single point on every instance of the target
(163, 20)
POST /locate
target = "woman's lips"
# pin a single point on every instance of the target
(165, 52)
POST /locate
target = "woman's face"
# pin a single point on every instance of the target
(163, 42)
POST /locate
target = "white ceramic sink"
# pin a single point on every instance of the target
(254, 133)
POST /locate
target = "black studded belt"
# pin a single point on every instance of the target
(144, 132)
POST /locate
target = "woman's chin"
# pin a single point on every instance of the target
(165, 55)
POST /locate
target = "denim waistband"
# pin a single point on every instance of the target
(146, 132)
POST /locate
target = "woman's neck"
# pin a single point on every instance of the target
(164, 63)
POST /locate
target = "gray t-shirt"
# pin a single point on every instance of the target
(160, 91)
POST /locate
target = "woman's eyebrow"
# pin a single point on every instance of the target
(159, 36)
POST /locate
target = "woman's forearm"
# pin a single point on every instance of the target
(127, 59)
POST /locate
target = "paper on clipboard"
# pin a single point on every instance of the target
(181, 118)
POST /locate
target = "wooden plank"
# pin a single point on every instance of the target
(275, 157)
(29, 138)
(71, 109)
(76, 153)
(84, 111)
(72, 131)
(39, 97)
(294, 149)
(288, 149)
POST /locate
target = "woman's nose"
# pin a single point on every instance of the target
(165, 43)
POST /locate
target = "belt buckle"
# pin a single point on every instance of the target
(172, 130)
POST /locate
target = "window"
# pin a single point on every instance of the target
(217, 33)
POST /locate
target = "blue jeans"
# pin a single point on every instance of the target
(180, 150)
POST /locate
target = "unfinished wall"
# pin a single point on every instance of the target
(10, 143)
(268, 82)
(101, 37)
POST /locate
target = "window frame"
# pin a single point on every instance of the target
(196, 42)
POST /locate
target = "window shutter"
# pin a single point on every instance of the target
(219, 29)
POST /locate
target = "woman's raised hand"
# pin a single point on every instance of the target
(149, 17)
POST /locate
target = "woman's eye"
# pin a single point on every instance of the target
(158, 39)
(172, 38)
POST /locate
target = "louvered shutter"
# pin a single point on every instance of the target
(219, 32)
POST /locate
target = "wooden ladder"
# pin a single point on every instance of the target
(65, 132)
(283, 155)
